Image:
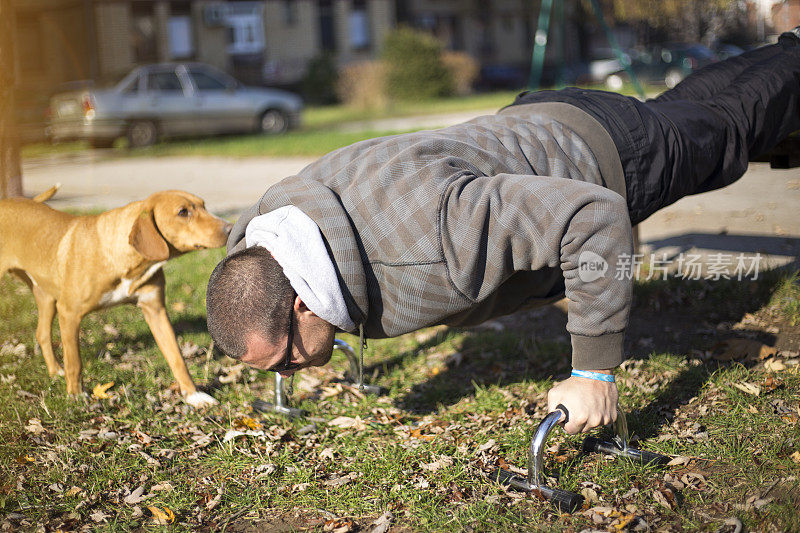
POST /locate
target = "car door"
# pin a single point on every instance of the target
(220, 104)
(168, 101)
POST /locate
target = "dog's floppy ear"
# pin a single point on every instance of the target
(146, 239)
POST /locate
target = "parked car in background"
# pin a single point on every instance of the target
(170, 100)
(668, 64)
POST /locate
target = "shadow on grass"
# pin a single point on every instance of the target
(669, 316)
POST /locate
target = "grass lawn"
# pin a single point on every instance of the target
(317, 136)
(459, 402)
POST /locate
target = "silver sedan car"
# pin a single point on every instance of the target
(169, 100)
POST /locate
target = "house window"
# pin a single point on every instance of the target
(327, 29)
(359, 26)
(289, 12)
(143, 33)
(245, 28)
(179, 33)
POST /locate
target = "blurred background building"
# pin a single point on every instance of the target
(65, 43)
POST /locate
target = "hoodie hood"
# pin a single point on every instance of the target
(324, 208)
(294, 240)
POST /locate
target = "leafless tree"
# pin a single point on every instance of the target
(10, 166)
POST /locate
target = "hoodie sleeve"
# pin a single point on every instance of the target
(494, 226)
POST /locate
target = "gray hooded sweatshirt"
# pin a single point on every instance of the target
(459, 225)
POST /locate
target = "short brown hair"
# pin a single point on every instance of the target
(247, 292)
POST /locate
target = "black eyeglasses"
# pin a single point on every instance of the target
(287, 363)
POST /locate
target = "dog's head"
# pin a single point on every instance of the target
(175, 222)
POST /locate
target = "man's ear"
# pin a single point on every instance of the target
(301, 307)
(146, 239)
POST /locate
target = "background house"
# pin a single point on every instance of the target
(270, 42)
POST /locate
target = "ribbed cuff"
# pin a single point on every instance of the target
(597, 353)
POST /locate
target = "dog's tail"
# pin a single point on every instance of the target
(46, 195)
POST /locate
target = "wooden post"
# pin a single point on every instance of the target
(10, 165)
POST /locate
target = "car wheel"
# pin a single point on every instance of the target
(142, 133)
(615, 82)
(673, 78)
(273, 121)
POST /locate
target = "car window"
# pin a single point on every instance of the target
(207, 82)
(132, 87)
(164, 81)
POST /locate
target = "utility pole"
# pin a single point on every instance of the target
(10, 165)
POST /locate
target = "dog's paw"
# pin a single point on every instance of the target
(200, 400)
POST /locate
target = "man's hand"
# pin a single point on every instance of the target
(590, 402)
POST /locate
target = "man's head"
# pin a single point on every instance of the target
(250, 303)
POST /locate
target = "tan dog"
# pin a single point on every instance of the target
(77, 264)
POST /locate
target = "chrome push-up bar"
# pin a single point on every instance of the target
(281, 405)
(565, 500)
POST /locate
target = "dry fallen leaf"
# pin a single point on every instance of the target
(339, 525)
(590, 495)
(162, 517)
(774, 365)
(247, 422)
(339, 481)
(34, 426)
(664, 497)
(443, 461)
(136, 496)
(99, 391)
(382, 524)
(694, 480)
(796, 457)
(678, 460)
(75, 491)
(749, 388)
(327, 453)
(346, 422)
(624, 522)
(487, 445)
(216, 499)
(232, 373)
(417, 434)
(165, 486)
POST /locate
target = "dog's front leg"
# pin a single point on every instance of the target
(69, 321)
(151, 302)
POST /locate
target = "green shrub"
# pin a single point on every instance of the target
(414, 66)
(319, 83)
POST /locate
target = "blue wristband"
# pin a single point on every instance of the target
(594, 375)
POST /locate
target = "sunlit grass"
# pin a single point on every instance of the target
(451, 394)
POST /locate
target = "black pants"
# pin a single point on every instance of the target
(700, 135)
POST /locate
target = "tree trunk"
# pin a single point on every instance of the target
(10, 165)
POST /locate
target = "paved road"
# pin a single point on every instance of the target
(94, 180)
(759, 213)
